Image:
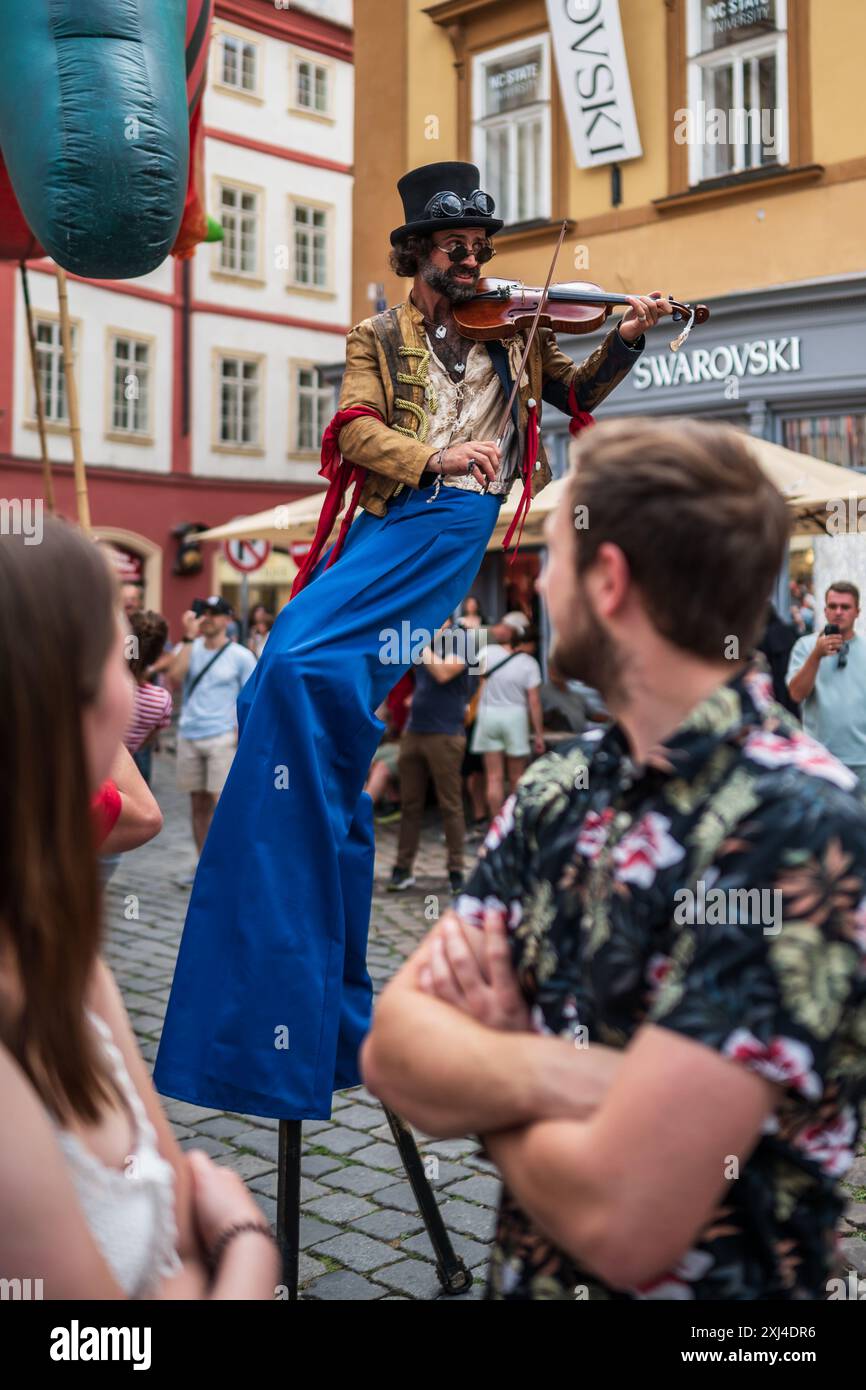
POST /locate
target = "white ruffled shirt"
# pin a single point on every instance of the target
(471, 409)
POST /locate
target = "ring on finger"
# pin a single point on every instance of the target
(469, 467)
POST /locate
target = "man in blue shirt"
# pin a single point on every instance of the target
(434, 744)
(827, 676)
(210, 670)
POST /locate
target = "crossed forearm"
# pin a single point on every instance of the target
(450, 1075)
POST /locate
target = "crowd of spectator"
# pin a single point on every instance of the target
(751, 1049)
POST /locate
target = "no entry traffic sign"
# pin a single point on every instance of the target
(247, 555)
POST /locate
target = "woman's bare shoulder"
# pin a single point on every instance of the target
(43, 1232)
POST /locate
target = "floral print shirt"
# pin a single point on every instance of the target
(719, 891)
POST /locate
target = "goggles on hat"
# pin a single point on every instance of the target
(452, 205)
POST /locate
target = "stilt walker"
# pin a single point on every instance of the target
(271, 998)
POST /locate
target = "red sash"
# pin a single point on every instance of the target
(579, 421)
(341, 474)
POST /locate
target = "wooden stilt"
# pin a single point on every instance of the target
(289, 1202)
(47, 479)
(452, 1273)
(81, 497)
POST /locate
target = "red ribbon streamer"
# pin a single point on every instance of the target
(579, 418)
(530, 456)
(341, 474)
(579, 421)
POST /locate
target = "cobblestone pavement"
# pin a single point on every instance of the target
(361, 1235)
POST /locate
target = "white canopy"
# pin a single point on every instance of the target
(809, 484)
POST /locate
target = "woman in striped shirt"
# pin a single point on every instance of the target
(152, 707)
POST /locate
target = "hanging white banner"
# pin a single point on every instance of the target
(594, 81)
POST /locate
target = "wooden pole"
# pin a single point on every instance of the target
(47, 479)
(81, 497)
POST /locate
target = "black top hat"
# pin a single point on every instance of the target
(443, 197)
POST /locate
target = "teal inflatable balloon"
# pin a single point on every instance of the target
(94, 128)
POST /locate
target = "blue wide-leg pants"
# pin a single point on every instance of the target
(271, 998)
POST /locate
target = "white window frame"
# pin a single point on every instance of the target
(481, 124)
(303, 286)
(243, 39)
(124, 432)
(737, 55)
(242, 189)
(298, 56)
(323, 399)
(237, 446)
(55, 349)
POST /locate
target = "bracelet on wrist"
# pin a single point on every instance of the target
(228, 1235)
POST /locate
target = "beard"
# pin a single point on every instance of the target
(588, 653)
(443, 282)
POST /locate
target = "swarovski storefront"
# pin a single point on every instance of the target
(788, 364)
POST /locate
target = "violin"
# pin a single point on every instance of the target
(502, 308)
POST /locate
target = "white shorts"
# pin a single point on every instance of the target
(203, 763)
(502, 729)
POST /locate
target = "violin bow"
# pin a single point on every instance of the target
(529, 341)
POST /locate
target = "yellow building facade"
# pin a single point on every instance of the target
(747, 191)
(417, 73)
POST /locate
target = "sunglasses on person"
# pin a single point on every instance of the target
(481, 250)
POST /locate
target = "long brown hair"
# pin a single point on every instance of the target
(58, 603)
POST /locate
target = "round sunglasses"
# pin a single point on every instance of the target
(482, 251)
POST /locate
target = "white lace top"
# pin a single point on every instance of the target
(131, 1212)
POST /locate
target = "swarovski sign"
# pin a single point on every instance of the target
(594, 81)
(758, 358)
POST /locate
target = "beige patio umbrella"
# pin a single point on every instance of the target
(281, 525)
(808, 484)
(813, 489)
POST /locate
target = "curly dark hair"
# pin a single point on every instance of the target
(408, 254)
(151, 629)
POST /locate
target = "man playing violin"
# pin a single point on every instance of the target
(444, 244)
(282, 895)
